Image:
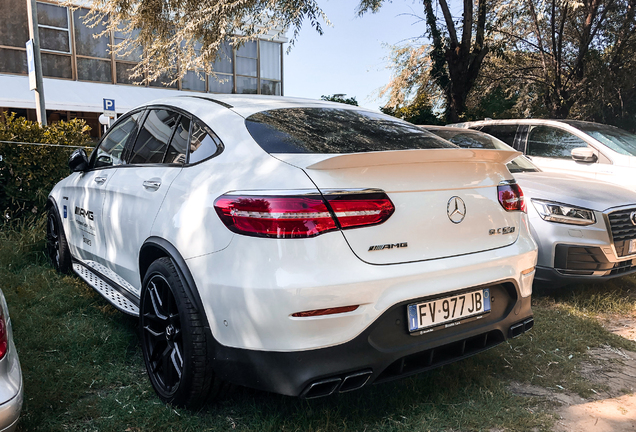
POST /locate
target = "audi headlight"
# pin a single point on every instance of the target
(563, 213)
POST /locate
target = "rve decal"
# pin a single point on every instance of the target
(85, 213)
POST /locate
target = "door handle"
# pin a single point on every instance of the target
(152, 184)
(100, 180)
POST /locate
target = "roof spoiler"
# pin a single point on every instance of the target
(399, 157)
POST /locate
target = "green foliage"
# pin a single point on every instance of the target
(185, 35)
(29, 172)
(495, 104)
(340, 98)
(419, 112)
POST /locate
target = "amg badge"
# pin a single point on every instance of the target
(85, 213)
(503, 230)
(387, 246)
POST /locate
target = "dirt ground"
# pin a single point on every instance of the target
(610, 410)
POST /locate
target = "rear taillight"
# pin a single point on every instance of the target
(511, 197)
(4, 336)
(300, 216)
(359, 209)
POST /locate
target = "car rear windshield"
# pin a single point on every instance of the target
(335, 130)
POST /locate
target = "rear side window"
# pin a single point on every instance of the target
(203, 143)
(334, 130)
(506, 133)
(153, 138)
(110, 151)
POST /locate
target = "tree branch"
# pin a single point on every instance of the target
(449, 22)
(467, 30)
(481, 24)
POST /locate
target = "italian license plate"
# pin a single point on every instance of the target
(445, 310)
(632, 247)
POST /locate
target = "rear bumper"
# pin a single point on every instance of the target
(384, 351)
(251, 289)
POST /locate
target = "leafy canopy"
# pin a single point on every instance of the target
(181, 35)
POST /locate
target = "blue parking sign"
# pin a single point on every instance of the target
(109, 105)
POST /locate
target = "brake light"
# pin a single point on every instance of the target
(4, 336)
(301, 216)
(354, 210)
(511, 197)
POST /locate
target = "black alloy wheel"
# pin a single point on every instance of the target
(173, 339)
(56, 244)
(162, 335)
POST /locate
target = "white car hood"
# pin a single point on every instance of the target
(574, 190)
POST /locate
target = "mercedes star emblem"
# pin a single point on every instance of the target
(632, 217)
(456, 209)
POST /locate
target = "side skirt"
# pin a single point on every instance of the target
(111, 291)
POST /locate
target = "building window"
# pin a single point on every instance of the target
(271, 74)
(247, 68)
(125, 62)
(223, 67)
(194, 79)
(56, 66)
(14, 32)
(13, 61)
(55, 40)
(53, 25)
(93, 56)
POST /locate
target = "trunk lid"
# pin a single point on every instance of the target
(427, 187)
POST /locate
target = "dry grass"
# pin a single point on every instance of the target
(83, 368)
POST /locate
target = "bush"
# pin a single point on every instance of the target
(29, 172)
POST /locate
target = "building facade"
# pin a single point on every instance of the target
(80, 71)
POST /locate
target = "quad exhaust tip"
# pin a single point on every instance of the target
(520, 328)
(329, 386)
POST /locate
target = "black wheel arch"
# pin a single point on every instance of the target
(50, 202)
(157, 247)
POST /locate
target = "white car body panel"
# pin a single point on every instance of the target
(129, 212)
(86, 238)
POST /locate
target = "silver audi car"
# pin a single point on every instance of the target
(585, 229)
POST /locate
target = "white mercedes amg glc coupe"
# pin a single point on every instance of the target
(295, 246)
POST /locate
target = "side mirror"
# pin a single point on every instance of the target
(78, 161)
(584, 154)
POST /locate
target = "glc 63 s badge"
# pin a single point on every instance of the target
(502, 230)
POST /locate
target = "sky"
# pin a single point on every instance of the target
(351, 57)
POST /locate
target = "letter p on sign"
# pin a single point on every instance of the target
(109, 108)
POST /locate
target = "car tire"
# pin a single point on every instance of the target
(174, 341)
(56, 244)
